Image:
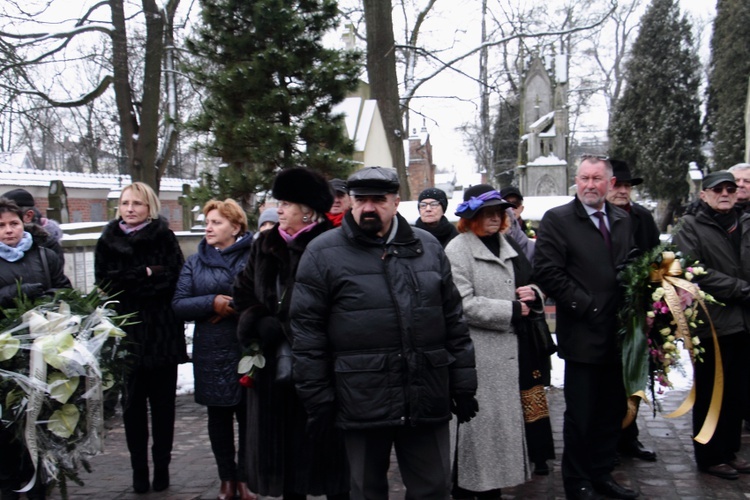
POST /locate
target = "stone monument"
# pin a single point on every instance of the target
(543, 149)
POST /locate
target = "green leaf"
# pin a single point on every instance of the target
(63, 422)
(53, 345)
(62, 387)
(635, 356)
(8, 346)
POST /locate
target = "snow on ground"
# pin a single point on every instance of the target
(185, 382)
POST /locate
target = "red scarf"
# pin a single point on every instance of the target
(335, 219)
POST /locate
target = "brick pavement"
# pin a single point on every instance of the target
(193, 471)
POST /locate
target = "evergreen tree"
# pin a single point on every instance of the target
(656, 122)
(505, 139)
(269, 88)
(728, 81)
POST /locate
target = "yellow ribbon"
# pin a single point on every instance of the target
(667, 275)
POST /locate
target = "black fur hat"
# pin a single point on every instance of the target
(304, 186)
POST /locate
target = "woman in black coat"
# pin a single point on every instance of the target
(284, 459)
(138, 258)
(39, 271)
(204, 295)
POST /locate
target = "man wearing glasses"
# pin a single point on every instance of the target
(579, 248)
(715, 233)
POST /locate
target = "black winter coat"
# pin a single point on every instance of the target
(444, 231)
(157, 338)
(727, 275)
(30, 269)
(44, 239)
(282, 457)
(573, 266)
(379, 329)
(645, 232)
(216, 350)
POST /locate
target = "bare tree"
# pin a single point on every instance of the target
(27, 74)
(381, 69)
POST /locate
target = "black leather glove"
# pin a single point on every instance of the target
(320, 422)
(32, 290)
(269, 331)
(465, 407)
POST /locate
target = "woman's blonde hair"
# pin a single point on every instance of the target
(476, 224)
(230, 210)
(147, 195)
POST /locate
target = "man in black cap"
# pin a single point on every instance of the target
(432, 204)
(519, 229)
(32, 222)
(380, 343)
(341, 201)
(646, 237)
(716, 235)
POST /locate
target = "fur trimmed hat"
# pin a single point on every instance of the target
(304, 186)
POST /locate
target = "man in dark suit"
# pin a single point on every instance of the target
(646, 237)
(579, 248)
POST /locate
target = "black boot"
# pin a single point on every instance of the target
(161, 478)
(140, 480)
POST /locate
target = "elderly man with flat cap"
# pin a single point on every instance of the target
(380, 342)
(717, 235)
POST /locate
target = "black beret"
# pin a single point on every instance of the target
(435, 194)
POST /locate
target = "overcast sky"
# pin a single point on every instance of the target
(444, 114)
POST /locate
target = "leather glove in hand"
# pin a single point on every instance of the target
(320, 423)
(223, 306)
(32, 290)
(465, 407)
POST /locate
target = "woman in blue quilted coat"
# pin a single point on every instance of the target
(203, 295)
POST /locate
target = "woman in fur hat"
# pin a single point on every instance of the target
(283, 459)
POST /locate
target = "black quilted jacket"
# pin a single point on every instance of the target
(379, 329)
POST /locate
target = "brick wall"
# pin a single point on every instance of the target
(95, 210)
(421, 169)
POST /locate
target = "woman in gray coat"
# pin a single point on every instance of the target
(490, 449)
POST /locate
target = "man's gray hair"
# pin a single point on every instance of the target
(739, 166)
(595, 159)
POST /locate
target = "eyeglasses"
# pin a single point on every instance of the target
(729, 188)
(431, 204)
(589, 156)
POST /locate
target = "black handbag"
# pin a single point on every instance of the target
(544, 344)
(284, 362)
